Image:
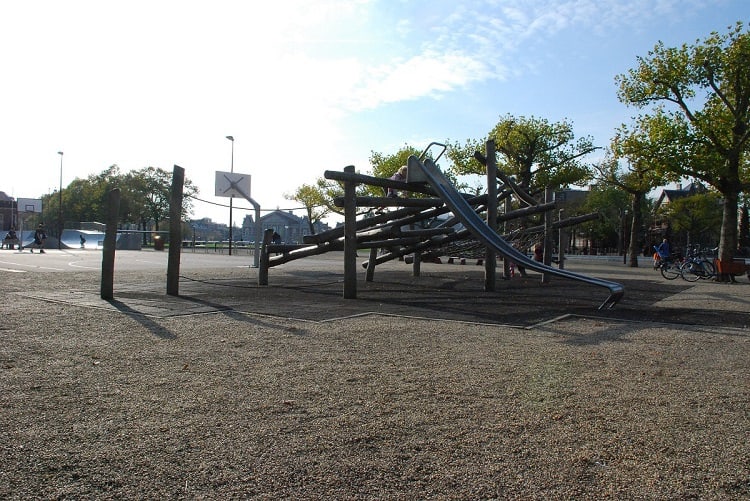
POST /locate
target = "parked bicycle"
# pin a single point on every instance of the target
(669, 266)
(698, 264)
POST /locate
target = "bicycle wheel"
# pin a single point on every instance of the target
(691, 271)
(709, 269)
(670, 270)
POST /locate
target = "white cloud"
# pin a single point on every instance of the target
(159, 82)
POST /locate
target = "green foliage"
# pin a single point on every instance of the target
(385, 165)
(144, 196)
(328, 190)
(700, 122)
(382, 165)
(538, 153)
(148, 192)
(313, 200)
(698, 215)
(610, 203)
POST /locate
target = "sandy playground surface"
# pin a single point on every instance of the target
(424, 387)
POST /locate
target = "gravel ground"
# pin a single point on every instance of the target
(235, 391)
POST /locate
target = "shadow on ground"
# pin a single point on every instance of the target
(317, 296)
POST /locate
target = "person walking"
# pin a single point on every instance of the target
(663, 252)
(664, 249)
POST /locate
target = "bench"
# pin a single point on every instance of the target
(737, 266)
(10, 243)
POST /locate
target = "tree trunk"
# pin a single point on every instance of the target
(310, 221)
(744, 236)
(728, 241)
(635, 229)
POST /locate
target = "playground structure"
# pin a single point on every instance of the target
(443, 222)
(412, 227)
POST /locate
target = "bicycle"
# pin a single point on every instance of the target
(697, 266)
(669, 267)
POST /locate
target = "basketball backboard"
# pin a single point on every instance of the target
(232, 184)
(30, 205)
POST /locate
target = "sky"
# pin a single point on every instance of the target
(306, 86)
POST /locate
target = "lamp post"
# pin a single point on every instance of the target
(231, 138)
(59, 209)
(625, 236)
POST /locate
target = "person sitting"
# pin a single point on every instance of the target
(400, 175)
(39, 237)
(11, 239)
(276, 239)
(538, 253)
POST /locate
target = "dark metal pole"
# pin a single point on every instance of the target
(624, 237)
(231, 138)
(59, 209)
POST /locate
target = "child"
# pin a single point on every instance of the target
(39, 237)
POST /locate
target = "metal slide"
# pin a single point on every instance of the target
(471, 220)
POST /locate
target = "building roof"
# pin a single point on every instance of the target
(680, 192)
(281, 215)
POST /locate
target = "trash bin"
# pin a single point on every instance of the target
(158, 243)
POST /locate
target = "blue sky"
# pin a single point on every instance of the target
(306, 85)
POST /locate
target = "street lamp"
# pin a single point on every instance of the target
(231, 138)
(59, 209)
(625, 236)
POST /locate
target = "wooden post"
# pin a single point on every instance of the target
(350, 237)
(562, 242)
(490, 262)
(264, 258)
(506, 261)
(110, 242)
(416, 266)
(547, 238)
(175, 231)
(370, 273)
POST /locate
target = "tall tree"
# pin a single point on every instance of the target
(637, 177)
(610, 202)
(312, 199)
(700, 95)
(150, 191)
(538, 153)
(698, 216)
(83, 199)
(144, 196)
